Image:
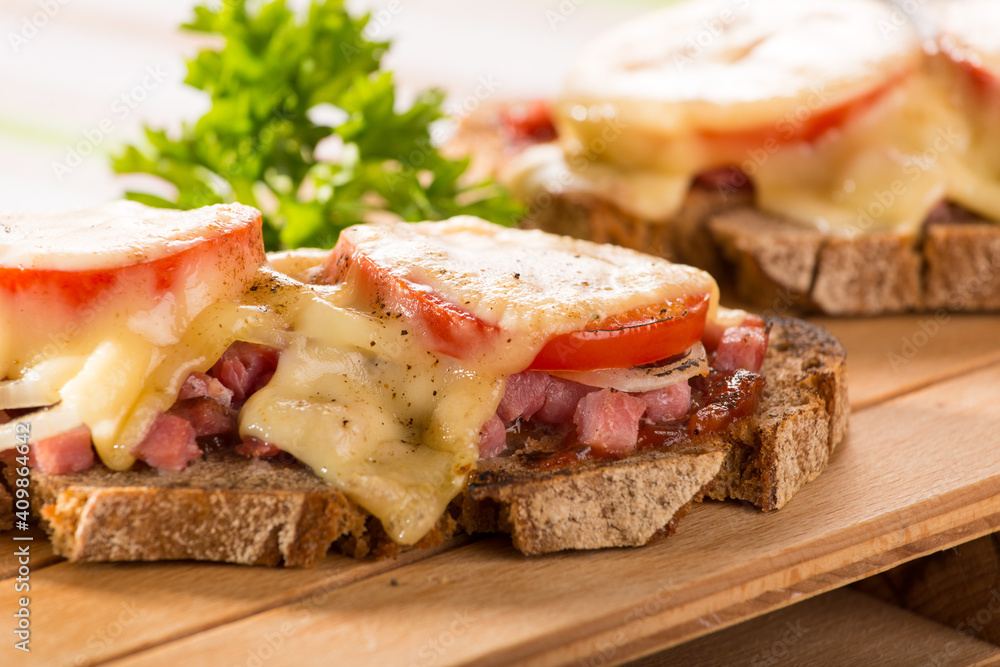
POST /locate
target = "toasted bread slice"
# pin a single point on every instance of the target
(223, 508)
(260, 512)
(763, 459)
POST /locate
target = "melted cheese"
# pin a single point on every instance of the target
(703, 85)
(360, 399)
(134, 331)
(369, 409)
(968, 70)
(356, 397)
(527, 282)
(117, 234)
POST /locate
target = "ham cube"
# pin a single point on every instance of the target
(169, 445)
(561, 399)
(524, 395)
(492, 438)
(741, 347)
(608, 421)
(67, 452)
(667, 404)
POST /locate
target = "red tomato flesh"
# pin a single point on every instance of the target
(448, 328)
(631, 339)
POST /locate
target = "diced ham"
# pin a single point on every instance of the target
(199, 385)
(244, 368)
(492, 438)
(668, 403)
(561, 399)
(257, 448)
(608, 421)
(741, 347)
(169, 445)
(67, 452)
(206, 416)
(524, 395)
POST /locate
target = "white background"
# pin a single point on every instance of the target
(76, 81)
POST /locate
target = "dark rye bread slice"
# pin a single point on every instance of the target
(261, 512)
(763, 459)
(223, 508)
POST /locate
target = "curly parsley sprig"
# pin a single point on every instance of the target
(257, 143)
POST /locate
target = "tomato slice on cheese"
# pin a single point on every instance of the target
(634, 338)
(448, 328)
(558, 303)
(64, 271)
(105, 302)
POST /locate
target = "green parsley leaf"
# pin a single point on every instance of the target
(257, 143)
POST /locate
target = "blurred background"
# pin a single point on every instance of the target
(79, 77)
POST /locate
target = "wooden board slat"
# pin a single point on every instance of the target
(88, 612)
(917, 475)
(889, 356)
(959, 587)
(842, 627)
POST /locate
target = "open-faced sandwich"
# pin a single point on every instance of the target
(818, 152)
(186, 396)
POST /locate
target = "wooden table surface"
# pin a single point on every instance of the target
(918, 472)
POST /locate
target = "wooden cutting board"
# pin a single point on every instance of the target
(918, 472)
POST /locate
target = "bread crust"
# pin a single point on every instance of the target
(260, 512)
(223, 508)
(763, 459)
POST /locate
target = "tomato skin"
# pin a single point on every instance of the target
(631, 339)
(528, 122)
(78, 290)
(793, 129)
(628, 340)
(448, 329)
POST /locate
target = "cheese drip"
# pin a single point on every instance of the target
(360, 401)
(108, 309)
(359, 398)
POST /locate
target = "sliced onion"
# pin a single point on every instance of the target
(644, 378)
(44, 424)
(40, 385)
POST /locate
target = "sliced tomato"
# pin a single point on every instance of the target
(448, 328)
(631, 339)
(46, 300)
(529, 122)
(803, 126)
